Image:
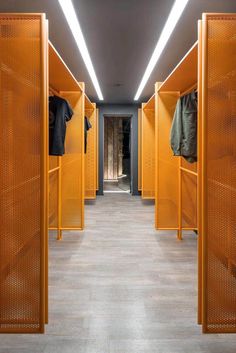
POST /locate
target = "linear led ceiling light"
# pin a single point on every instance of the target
(171, 22)
(70, 15)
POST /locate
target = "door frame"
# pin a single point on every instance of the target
(131, 145)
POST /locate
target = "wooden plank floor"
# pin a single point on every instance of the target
(121, 287)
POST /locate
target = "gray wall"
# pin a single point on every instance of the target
(120, 110)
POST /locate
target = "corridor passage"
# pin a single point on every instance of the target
(121, 287)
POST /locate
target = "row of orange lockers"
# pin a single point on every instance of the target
(199, 196)
(37, 191)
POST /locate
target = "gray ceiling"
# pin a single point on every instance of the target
(121, 35)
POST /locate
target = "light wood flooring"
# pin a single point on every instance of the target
(121, 287)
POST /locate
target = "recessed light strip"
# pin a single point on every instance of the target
(70, 15)
(170, 24)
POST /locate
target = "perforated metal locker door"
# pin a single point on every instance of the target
(219, 196)
(22, 188)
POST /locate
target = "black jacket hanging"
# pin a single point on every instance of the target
(59, 113)
(183, 137)
(87, 126)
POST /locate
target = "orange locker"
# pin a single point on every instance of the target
(23, 177)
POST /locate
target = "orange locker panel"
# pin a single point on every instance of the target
(148, 154)
(72, 166)
(219, 175)
(91, 158)
(23, 121)
(189, 200)
(53, 199)
(140, 149)
(167, 197)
